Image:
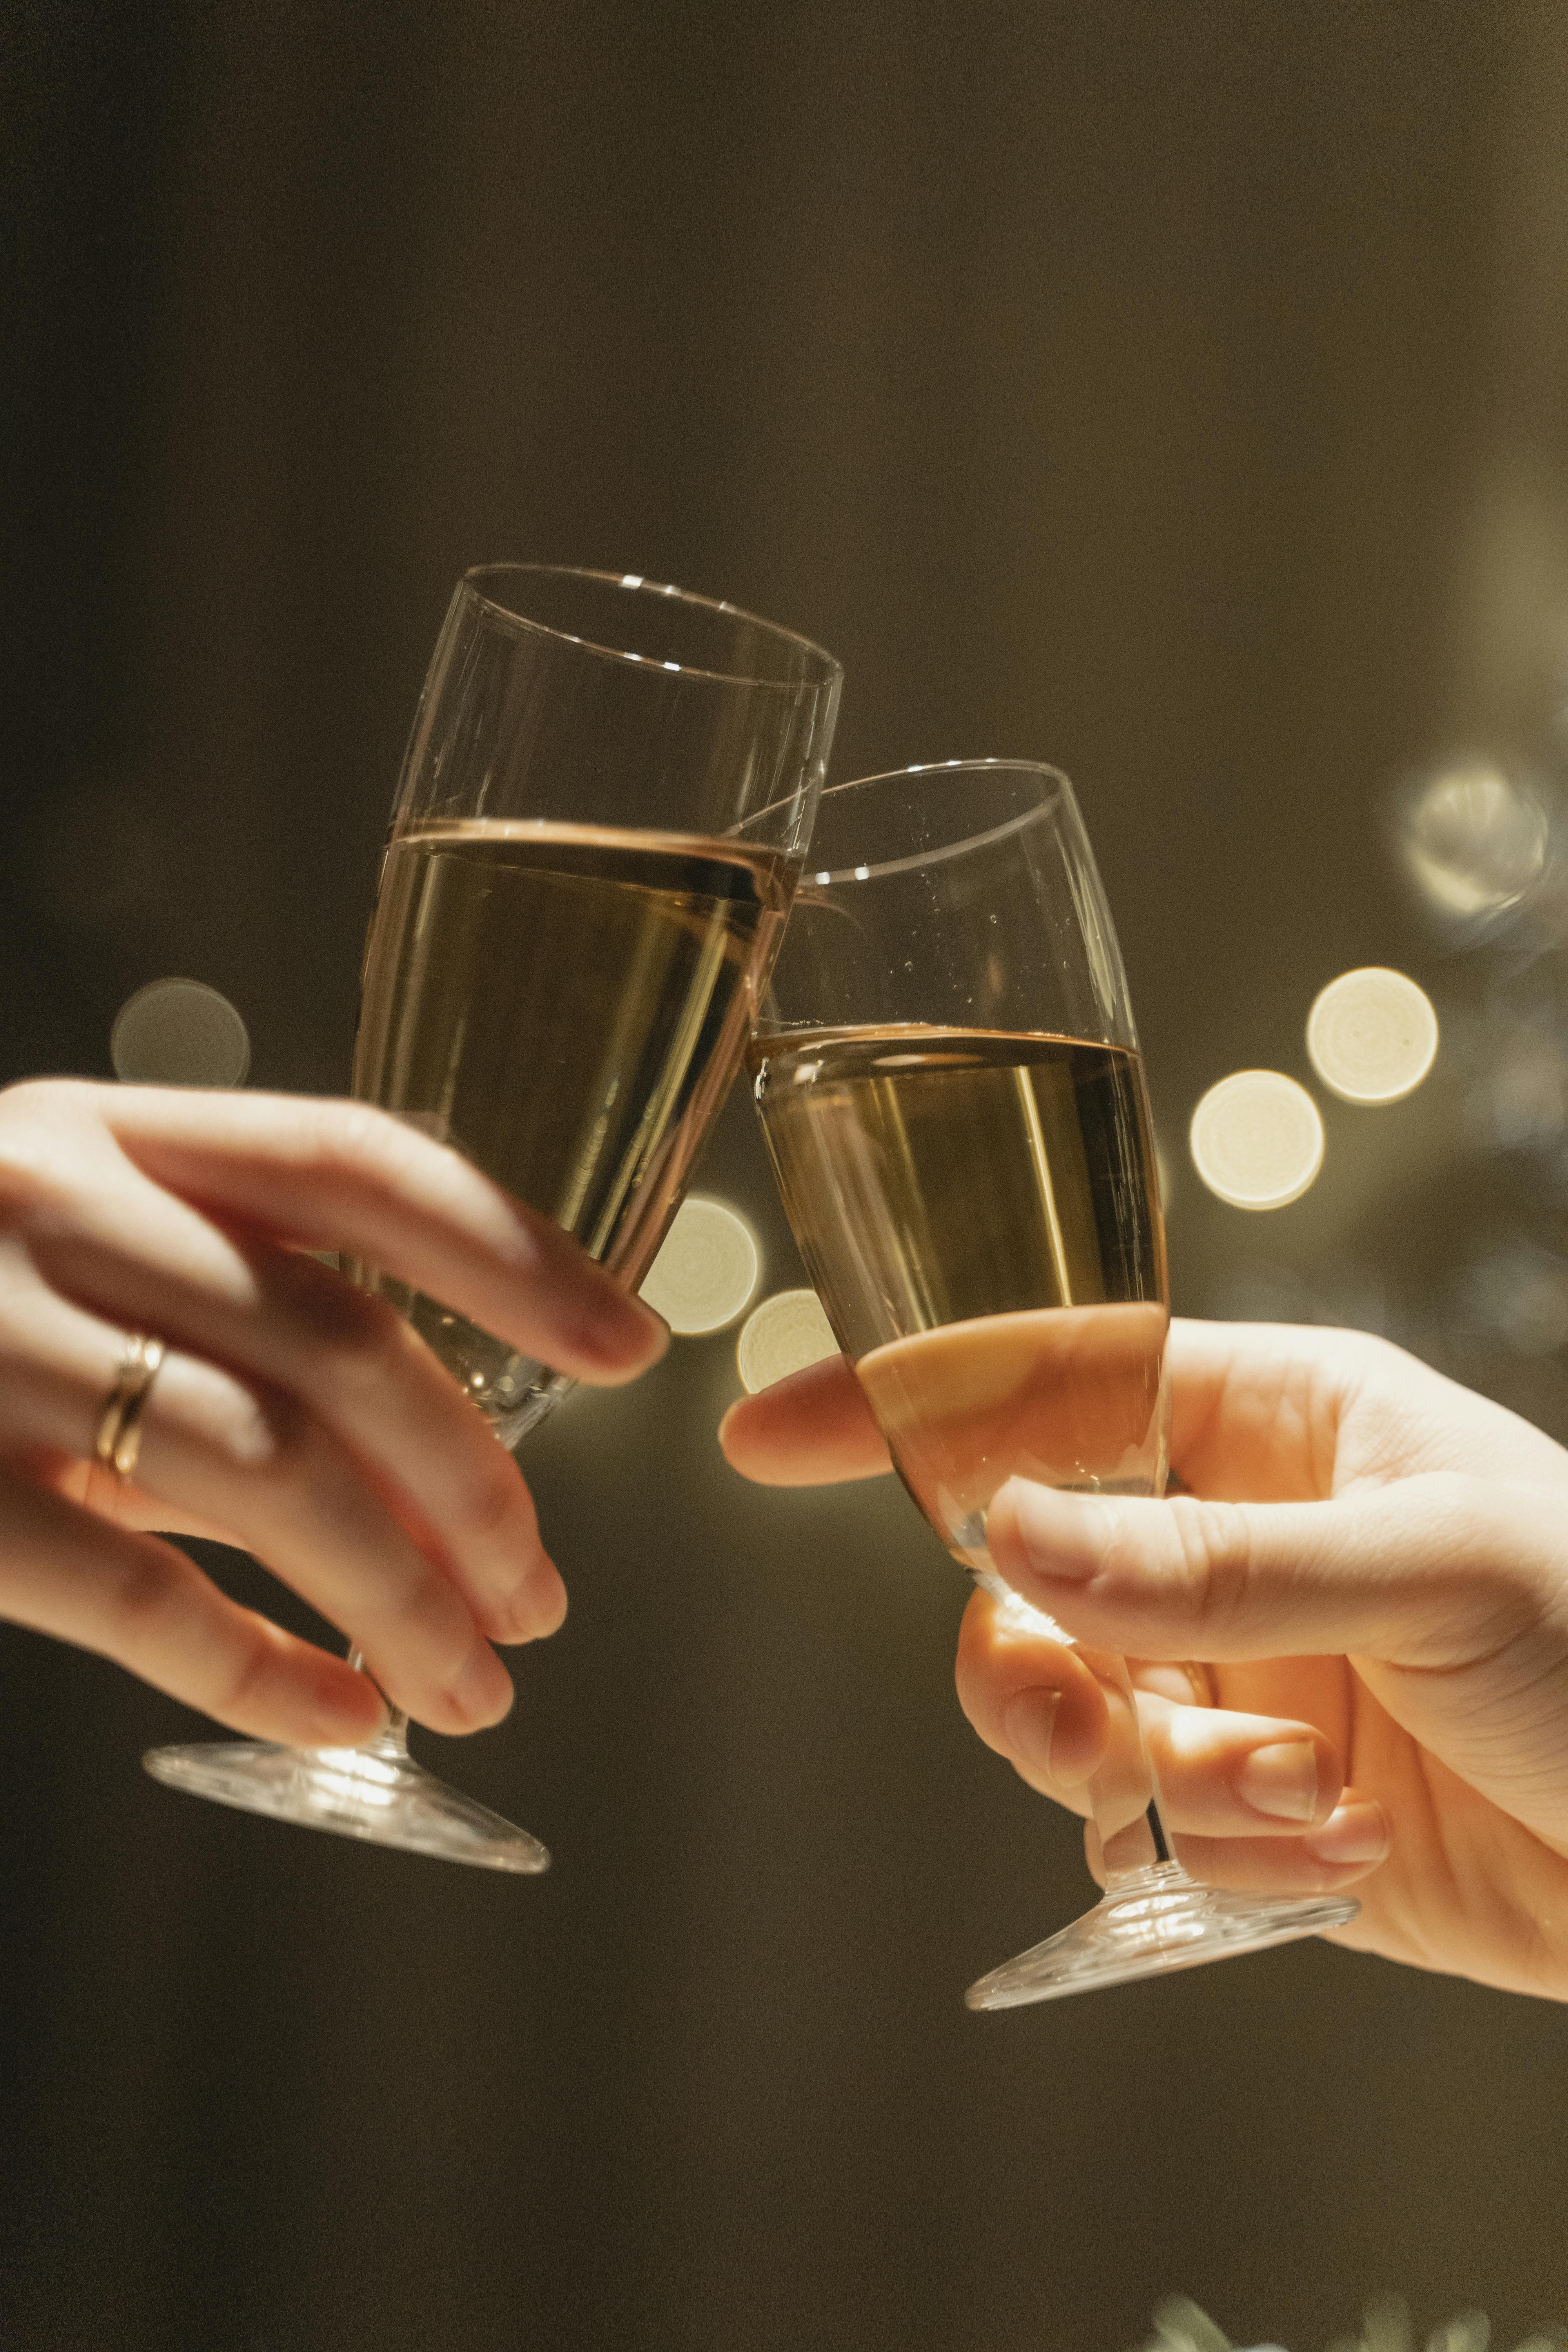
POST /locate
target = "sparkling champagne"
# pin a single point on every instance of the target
(566, 1005)
(980, 1214)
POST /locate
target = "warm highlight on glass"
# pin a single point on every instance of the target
(598, 830)
(949, 1081)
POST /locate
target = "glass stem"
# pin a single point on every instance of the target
(392, 1737)
(1123, 1796)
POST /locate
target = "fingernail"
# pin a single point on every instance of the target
(623, 1332)
(482, 1691)
(1064, 1536)
(534, 1608)
(1029, 1720)
(549, 1598)
(1355, 1832)
(1281, 1781)
(653, 1331)
(1178, 1684)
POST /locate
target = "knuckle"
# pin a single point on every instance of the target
(28, 1100)
(494, 1503)
(430, 1622)
(21, 1292)
(1473, 1532)
(1493, 1551)
(40, 1147)
(356, 1139)
(1443, 1498)
(1211, 1559)
(1346, 1344)
(1377, 1358)
(408, 1160)
(348, 1322)
(247, 1665)
(265, 1432)
(1460, 1503)
(349, 1329)
(150, 1585)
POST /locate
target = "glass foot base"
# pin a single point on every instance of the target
(376, 1792)
(1159, 1921)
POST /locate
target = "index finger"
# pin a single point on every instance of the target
(345, 1176)
(1238, 1409)
(813, 1428)
(1250, 1405)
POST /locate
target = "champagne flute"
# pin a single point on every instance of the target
(604, 806)
(949, 1082)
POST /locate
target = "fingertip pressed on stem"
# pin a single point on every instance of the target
(1030, 1720)
(482, 1692)
(1355, 1834)
(344, 1710)
(1039, 1531)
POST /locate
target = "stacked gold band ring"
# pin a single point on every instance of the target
(119, 1438)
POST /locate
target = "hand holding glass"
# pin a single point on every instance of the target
(599, 828)
(949, 1081)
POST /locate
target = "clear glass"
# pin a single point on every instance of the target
(949, 1081)
(607, 797)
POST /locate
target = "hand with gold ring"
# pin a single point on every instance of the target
(1372, 1564)
(172, 1359)
(118, 1444)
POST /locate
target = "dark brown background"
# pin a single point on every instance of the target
(1172, 391)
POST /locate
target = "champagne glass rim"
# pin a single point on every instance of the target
(830, 878)
(827, 667)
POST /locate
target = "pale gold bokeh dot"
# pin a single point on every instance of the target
(1372, 1035)
(1257, 1140)
(179, 1033)
(783, 1335)
(706, 1272)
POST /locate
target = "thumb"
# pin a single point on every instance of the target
(1434, 1572)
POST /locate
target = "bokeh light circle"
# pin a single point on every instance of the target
(1372, 1035)
(783, 1335)
(707, 1270)
(1474, 842)
(179, 1033)
(1257, 1140)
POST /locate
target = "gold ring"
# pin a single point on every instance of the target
(119, 1439)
